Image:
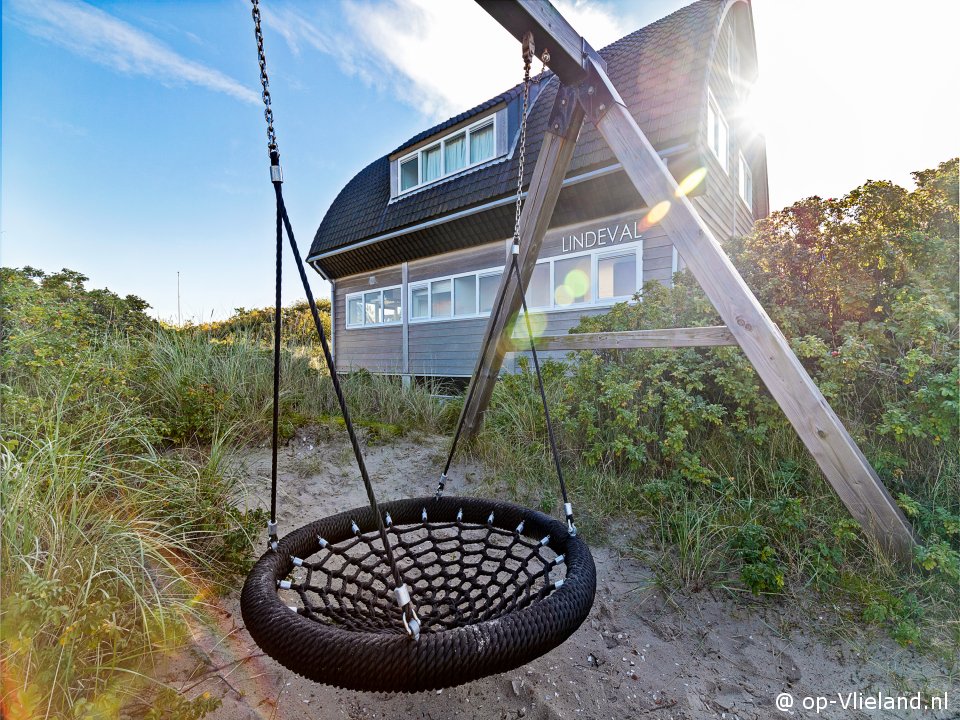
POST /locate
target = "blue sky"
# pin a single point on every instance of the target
(134, 144)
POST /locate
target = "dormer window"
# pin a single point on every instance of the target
(457, 151)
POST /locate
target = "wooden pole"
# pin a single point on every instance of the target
(545, 185)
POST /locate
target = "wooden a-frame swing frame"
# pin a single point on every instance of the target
(587, 92)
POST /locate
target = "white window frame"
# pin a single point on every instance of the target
(714, 107)
(595, 254)
(733, 53)
(427, 283)
(440, 144)
(594, 300)
(366, 325)
(744, 171)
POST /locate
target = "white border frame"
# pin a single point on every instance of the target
(741, 166)
(365, 325)
(595, 254)
(713, 105)
(478, 125)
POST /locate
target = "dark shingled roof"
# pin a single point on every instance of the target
(660, 70)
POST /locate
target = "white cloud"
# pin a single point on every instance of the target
(102, 38)
(439, 57)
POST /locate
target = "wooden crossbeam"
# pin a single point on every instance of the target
(712, 336)
(842, 462)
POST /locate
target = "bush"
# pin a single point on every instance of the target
(866, 287)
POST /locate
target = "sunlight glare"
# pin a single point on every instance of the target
(691, 181)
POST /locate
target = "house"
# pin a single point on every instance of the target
(415, 244)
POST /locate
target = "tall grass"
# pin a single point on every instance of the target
(202, 383)
(107, 547)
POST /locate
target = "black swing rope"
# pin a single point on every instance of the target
(410, 619)
(497, 584)
(528, 53)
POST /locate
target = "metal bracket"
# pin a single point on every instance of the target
(561, 115)
(594, 94)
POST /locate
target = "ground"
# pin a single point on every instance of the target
(642, 653)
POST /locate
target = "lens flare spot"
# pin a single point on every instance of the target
(657, 213)
(562, 295)
(691, 181)
(577, 283)
(538, 323)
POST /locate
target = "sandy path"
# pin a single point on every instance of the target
(641, 654)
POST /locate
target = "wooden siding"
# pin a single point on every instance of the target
(459, 261)
(720, 206)
(379, 348)
(450, 347)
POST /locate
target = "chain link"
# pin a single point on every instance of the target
(265, 82)
(528, 53)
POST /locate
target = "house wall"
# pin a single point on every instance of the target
(449, 347)
(377, 349)
(721, 206)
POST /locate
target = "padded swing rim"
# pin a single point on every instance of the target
(394, 663)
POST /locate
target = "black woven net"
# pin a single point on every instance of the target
(459, 573)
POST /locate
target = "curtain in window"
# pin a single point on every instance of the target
(481, 144)
(455, 154)
(431, 164)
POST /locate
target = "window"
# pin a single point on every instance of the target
(440, 298)
(488, 291)
(455, 153)
(455, 296)
(746, 182)
(462, 149)
(616, 276)
(419, 302)
(595, 277)
(465, 295)
(392, 306)
(538, 291)
(733, 53)
(716, 131)
(571, 280)
(481, 144)
(374, 307)
(409, 173)
(355, 310)
(431, 164)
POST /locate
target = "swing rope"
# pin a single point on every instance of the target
(497, 584)
(410, 620)
(529, 52)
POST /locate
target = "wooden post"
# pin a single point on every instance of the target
(545, 185)
(838, 456)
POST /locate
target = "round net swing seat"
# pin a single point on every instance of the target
(495, 585)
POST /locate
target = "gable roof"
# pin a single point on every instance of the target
(661, 72)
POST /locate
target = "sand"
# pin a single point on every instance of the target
(642, 653)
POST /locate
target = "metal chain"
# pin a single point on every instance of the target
(265, 81)
(529, 50)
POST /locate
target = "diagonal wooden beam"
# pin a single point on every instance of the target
(842, 462)
(558, 145)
